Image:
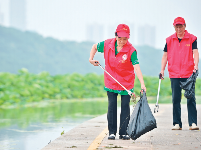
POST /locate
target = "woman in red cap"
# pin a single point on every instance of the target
(182, 55)
(120, 61)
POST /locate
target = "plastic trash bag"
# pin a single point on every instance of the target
(189, 85)
(142, 119)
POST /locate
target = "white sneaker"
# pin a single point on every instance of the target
(111, 137)
(124, 137)
(193, 127)
(176, 127)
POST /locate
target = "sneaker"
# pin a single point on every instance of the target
(193, 127)
(176, 127)
(111, 137)
(124, 137)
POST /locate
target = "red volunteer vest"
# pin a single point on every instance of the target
(120, 67)
(180, 55)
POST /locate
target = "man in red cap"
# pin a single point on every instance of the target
(182, 55)
(120, 61)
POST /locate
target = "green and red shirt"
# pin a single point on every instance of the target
(134, 60)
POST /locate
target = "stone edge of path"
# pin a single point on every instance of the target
(82, 136)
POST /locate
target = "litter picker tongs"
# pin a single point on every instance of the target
(157, 106)
(129, 92)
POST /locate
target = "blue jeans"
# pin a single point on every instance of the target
(112, 113)
(176, 100)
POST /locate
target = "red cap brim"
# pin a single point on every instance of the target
(123, 34)
(178, 23)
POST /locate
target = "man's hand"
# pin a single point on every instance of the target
(94, 62)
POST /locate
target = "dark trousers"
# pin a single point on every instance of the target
(176, 100)
(112, 113)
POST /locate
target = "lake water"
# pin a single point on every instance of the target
(32, 128)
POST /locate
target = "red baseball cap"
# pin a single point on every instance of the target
(179, 20)
(123, 30)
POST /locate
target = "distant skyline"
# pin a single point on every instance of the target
(17, 14)
(68, 20)
(95, 32)
(142, 35)
(1, 18)
(146, 35)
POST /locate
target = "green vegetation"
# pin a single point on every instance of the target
(26, 87)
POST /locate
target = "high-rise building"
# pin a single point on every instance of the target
(95, 32)
(1, 17)
(146, 35)
(132, 33)
(17, 12)
(111, 31)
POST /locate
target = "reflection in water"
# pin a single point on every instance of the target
(34, 127)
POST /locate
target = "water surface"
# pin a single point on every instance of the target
(32, 128)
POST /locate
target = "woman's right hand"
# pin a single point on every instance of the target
(162, 72)
(143, 88)
(94, 62)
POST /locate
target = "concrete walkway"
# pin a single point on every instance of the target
(93, 134)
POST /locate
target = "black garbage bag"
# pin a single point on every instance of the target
(142, 119)
(189, 85)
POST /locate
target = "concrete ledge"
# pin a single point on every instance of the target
(161, 138)
(80, 137)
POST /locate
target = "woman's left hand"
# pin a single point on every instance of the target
(143, 88)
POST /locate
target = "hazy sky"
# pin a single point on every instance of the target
(67, 19)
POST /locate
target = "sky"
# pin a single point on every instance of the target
(67, 19)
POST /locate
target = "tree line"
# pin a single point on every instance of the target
(25, 49)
